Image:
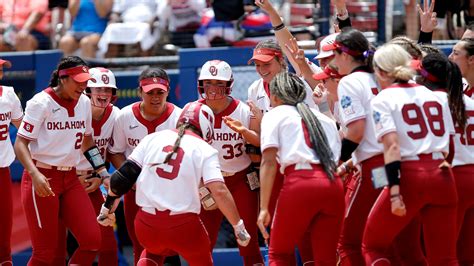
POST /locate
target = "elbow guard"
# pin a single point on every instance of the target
(124, 178)
(95, 158)
(393, 173)
(347, 148)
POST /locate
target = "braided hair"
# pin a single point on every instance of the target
(64, 63)
(182, 127)
(290, 89)
(448, 76)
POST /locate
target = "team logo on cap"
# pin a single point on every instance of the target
(105, 79)
(213, 70)
(84, 69)
(155, 80)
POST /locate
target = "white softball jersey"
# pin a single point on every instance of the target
(174, 186)
(355, 91)
(10, 110)
(56, 128)
(464, 138)
(421, 120)
(131, 127)
(102, 135)
(230, 144)
(257, 94)
(282, 128)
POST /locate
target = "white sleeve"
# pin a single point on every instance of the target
(89, 131)
(17, 110)
(119, 144)
(383, 121)
(350, 103)
(211, 169)
(269, 135)
(35, 114)
(309, 96)
(448, 119)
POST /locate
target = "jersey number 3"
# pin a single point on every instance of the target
(414, 115)
(175, 163)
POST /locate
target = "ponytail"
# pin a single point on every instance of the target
(455, 94)
(54, 80)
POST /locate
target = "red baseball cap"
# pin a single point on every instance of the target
(265, 54)
(5, 63)
(328, 72)
(149, 84)
(77, 73)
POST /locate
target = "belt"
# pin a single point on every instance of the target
(149, 210)
(47, 166)
(425, 156)
(84, 172)
(302, 166)
(226, 174)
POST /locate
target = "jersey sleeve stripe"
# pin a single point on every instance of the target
(213, 180)
(385, 132)
(352, 120)
(25, 137)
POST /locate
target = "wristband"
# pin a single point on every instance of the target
(347, 148)
(94, 157)
(393, 173)
(279, 27)
(251, 149)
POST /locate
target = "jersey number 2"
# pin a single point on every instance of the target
(175, 163)
(417, 118)
(3, 132)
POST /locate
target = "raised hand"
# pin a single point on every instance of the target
(234, 124)
(428, 19)
(296, 53)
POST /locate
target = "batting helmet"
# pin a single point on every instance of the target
(201, 117)
(101, 78)
(216, 70)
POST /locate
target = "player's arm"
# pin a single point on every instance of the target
(17, 123)
(41, 184)
(121, 181)
(268, 170)
(226, 204)
(249, 135)
(392, 160)
(93, 155)
(117, 159)
(355, 133)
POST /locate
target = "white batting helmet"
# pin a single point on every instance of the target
(200, 116)
(101, 77)
(216, 70)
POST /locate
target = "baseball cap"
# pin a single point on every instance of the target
(264, 54)
(324, 46)
(77, 73)
(5, 63)
(101, 77)
(328, 72)
(149, 84)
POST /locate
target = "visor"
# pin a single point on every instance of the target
(265, 54)
(78, 73)
(149, 84)
(328, 72)
(341, 47)
(5, 63)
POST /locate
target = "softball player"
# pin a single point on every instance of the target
(215, 85)
(414, 130)
(461, 55)
(308, 164)
(437, 72)
(10, 112)
(355, 92)
(162, 164)
(56, 126)
(102, 91)
(136, 121)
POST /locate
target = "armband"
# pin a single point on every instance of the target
(347, 148)
(393, 173)
(95, 158)
(251, 149)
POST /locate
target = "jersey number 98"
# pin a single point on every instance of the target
(414, 115)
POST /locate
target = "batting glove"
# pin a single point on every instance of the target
(241, 234)
(106, 218)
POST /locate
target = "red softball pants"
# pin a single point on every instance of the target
(6, 209)
(247, 205)
(428, 192)
(464, 177)
(163, 234)
(69, 206)
(308, 201)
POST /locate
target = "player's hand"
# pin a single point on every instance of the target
(41, 185)
(319, 93)
(241, 234)
(444, 164)
(262, 222)
(234, 124)
(265, 5)
(106, 218)
(296, 53)
(398, 206)
(83, 178)
(93, 183)
(256, 112)
(428, 20)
